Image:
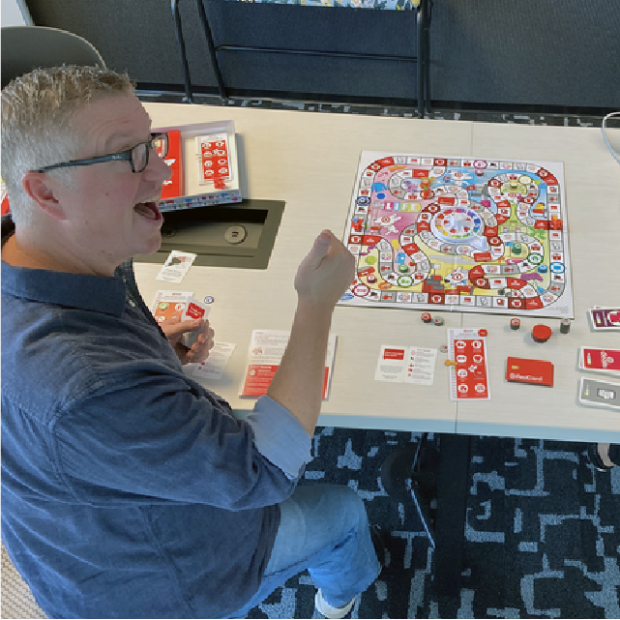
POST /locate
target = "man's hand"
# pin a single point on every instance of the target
(174, 330)
(326, 272)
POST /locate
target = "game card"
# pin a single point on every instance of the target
(213, 367)
(398, 364)
(265, 353)
(194, 309)
(597, 393)
(169, 304)
(600, 360)
(213, 159)
(605, 318)
(176, 266)
(469, 378)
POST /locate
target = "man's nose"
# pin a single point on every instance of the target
(157, 169)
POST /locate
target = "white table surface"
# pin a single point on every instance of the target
(309, 160)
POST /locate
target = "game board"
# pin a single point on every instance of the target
(465, 234)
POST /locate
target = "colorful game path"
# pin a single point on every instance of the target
(471, 234)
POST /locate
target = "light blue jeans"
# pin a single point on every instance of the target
(324, 529)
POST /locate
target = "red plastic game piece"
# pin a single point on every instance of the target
(541, 333)
(482, 333)
(515, 324)
(426, 317)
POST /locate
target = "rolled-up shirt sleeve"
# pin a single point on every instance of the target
(280, 437)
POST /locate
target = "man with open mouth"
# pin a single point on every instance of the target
(128, 489)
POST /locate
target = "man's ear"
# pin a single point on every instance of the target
(42, 189)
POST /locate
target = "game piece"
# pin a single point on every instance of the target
(426, 317)
(443, 348)
(600, 360)
(479, 235)
(515, 324)
(438, 321)
(483, 333)
(536, 372)
(565, 326)
(593, 392)
(541, 333)
(450, 363)
(605, 318)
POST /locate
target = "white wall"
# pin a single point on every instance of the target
(12, 13)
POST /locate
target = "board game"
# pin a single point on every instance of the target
(465, 234)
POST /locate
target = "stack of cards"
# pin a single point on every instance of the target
(194, 309)
(597, 392)
(534, 372)
(600, 360)
(604, 318)
(593, 392)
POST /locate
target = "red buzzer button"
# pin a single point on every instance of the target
(541, 333)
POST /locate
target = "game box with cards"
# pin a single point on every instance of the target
(203, 160)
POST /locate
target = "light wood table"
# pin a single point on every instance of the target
(309, 160)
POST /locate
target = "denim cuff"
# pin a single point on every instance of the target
(280, 437)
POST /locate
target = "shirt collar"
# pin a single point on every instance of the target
(96, 293)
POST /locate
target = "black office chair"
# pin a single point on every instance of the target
(25, 48)
(423, 9)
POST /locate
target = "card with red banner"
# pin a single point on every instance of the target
(469, 376)
(264, 357)
(213, 160)
(406, 364)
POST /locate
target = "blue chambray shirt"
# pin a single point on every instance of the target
(128, 489)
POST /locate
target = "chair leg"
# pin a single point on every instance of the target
(452, 493)
(420, 53)
(178, 29)
(408, 475)
(204, 22)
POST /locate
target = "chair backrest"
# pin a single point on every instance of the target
(25, 48)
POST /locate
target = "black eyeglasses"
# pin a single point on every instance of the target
(137, 156)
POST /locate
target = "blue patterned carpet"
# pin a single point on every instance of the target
(542, 533)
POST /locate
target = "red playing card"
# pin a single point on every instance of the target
(607, 360)
(536, 372)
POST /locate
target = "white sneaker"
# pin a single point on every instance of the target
(329, 611)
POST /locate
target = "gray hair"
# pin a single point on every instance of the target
(37, 129)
